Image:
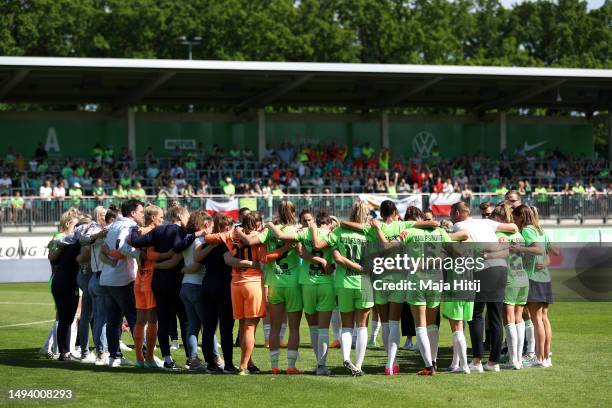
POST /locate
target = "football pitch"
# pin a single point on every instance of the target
(582, 358)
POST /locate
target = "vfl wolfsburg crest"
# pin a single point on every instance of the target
(423, 143)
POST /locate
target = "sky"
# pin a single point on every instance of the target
(591, 3)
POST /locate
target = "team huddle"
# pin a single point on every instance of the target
(209, 271)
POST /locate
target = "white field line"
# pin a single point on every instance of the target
(27, 303)
(25, 324)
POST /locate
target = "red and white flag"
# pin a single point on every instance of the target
(229, 208)
(440, 204)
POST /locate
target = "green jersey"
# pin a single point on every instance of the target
(517, 276)
(350, 244)
(531, 235)
(311, 273)
(425, 242)
(391, 231)
(285, 271)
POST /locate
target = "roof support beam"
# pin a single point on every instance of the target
(396, 99)
(270, 95)
(12, 82)
(513, 100)
(138, 94)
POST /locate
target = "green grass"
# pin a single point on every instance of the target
(580, 377)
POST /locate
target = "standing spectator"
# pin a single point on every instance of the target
(203, 188)
(59, 191)
(75, 194)
(17, 206)
(98, 191)
(40, 154)
(578, 188)
(5, 184)
(228, 188)
(137, 192)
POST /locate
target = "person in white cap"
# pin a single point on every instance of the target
(75, 194)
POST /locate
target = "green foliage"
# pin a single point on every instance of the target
(472, 32)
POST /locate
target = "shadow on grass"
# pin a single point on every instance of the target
(409, 361)
(29, 358)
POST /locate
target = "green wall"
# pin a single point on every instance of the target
(77, 133)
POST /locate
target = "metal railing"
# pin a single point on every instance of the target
(552, 206)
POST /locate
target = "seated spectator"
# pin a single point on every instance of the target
(152, 170)
(149, 156)
(109, 154)
(234, 152)
(97, 153)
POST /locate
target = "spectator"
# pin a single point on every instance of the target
(109, 154)
(75, 194)
(203, 188)
(97, 154)
(59, 191)
(45, 192)
(180, 183)
(172, 189)
(17, 207)
(578, 188)
(466, 193)
(119, 193)
(5, 184)
(98, 191)
(228, 188)
(137, 193)
(40, 154)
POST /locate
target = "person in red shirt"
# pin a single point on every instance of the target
(439, 186)
(372, 163)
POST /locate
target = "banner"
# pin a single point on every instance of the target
(249, 202)
(440, 204)
(229, 208)
(375, 200)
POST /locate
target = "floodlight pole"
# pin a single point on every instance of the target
(190, 43)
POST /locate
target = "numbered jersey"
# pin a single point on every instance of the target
(311, 273)
(284, 272)
(242, 276)
(350, 244)
(517, 276)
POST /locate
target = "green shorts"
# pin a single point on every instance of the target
(351, 299)
(318, 298)
(424, 297)
(458, 310)
(291, 297)
(516, 296)
(384, 296)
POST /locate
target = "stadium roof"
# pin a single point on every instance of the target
(245, 84)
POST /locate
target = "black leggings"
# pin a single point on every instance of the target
(407, 320)
(169, 305)
(217, 306)
(494, 312)
(66, 298)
